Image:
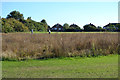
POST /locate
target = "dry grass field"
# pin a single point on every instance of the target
(18, 46)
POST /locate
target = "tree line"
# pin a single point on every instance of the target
(15, 22)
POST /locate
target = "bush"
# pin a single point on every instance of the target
(13, 25)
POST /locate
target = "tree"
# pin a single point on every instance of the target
(89, 27)
(16, 15)
(29, 18)
(36, 26)
(65, 26)
(44, 21)
(6, 28)
(111, 27)
(118, 26)
(15, 22)
(45, 25)
(13, 25)
(74, 28)
(99, 28)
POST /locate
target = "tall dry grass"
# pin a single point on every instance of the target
(24, 45)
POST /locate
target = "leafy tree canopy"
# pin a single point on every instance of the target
(44, 21)
(29, 18)
(65, 26)
(16, 15)
(89, 27)
(13, 25)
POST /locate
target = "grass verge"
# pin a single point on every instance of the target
(70, 67)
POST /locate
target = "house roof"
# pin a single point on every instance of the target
(111, 24)
(57, 25)
(91, 24)
(74, 25)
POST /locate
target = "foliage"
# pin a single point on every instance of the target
(16, 15)
(89, 27)
(13, 25)
(36, 26)
(73, 28)
(29, 18)
(118, 27)
(65, 26)
(44, 21)
(112, 27)
(45, 25)
(99, 29)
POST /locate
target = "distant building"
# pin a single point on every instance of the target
(57, 27)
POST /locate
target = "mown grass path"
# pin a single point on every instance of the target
(77, 67)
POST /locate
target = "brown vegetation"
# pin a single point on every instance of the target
(24, 45)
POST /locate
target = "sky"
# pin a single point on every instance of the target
(80, 13)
